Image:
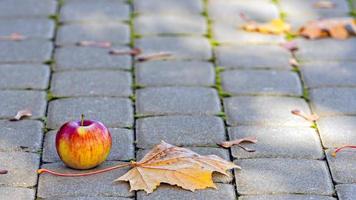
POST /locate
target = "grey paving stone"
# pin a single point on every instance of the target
(30, 28)
(177, 100)
(90, 58)
(170, 24)
(122, 146)
(346, 191)
(343, 166)
(278, 176)
(22, 135)
(96, 185)
(226, 33)
(321, 74)
(223, 190)
(19, 51)
(89, 198)
(95, 82)
(181, 8)
(175, 73)
(37, 76)
(337, 131)
(286, 197)
(109, 31)
(261, 82)
(180, 130)
(10, 193)
(13, 101)
(29, 8)
(331, 101)
(92, 10)
(228, 11)
(222, 153)
(265, 111)
(252, 56)
(113, 112)
(278, 142)
(197, 48)
(337, 50)
(21, 169)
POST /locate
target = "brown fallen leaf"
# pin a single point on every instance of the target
(333, 154)
(324, 4)
(169, 164)
(311, 118)
(99, 44)
(133, 52)
(21, 114)
(338, 28)
(154, 56)
(13, 37)
(3, 171)
(228, 144)
(276, 26)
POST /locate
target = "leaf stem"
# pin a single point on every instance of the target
(341, 148)
(82, 120)
(40, 171)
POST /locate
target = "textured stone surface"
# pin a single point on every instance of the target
(252, 56)
(223, 190)
(265, 111)
(286, 197)
(177, 100)
(13, 101)
(265, 176)
(28, 8)
(170, 24)
(30, 28)
(92, 10)
(346, 191)
(88, 198)
(179, 130)
(37, 76)
(22, 135)
(261, 82)
(197, 48)
(95, 82)
(286, 142)
(21, 168)
(113, 112)
(19, 51)
(343, 166)
(90, 58)
(331, 101)
(110, 31)
(325, 74)
(158, 7)
(337, 131)
(337, 50)
(175, 73)
(10, 193)
(95, 185)
(122, 146)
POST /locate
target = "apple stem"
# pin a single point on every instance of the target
(82, 120)
(40, 171)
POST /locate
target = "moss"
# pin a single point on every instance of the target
(51, 96)
(137, 86)
(133, 98)
(306, 94)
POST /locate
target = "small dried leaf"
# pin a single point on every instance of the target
(102, 44)
(276, 26)
(293, 62)
(228, 144)
(13, 37)
(290, 46)
(246, 149)
(324, 4)
(3, 171)
(21, 114)
(333, 154)
(155, 56)
(133, 52)
(311, 118)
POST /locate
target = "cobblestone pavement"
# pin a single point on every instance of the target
(223, 83)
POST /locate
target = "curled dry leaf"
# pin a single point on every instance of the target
(169, 164)
(133, 52)
(324, 4)
(21, 114)
(338, 28)
(311, 118)
(154, 56)
(333, 154)
(99, 44)
(3, 171)
(13, 37)
(228, 144)
(276, 26)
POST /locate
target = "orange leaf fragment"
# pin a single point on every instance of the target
(21, 114)
(228, 144)
(311, 118)
(276, 26)
(13, 37)
(99, 44)
(324, 4)
(173, 165)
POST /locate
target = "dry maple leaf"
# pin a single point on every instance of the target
(21, 114)
(276, 26)
(338, 28)
(169, 164)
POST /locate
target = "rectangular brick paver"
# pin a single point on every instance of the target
(30, 28)
(286, 197)
(346, 191)
(158, 7)
(11, 193)
(343, 166)
(28, 8)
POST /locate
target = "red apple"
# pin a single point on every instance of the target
(83, 144)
